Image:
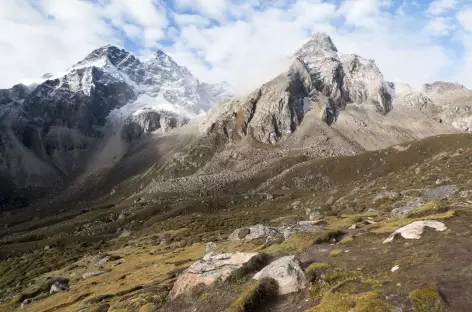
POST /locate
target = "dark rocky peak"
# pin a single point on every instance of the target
(111, 53)
(319, 44)
(16, 93)
(160, 61)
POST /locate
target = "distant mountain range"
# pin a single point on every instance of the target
(112, 117)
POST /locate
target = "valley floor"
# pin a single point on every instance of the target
(358, 201)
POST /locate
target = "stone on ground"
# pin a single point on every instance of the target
(415, 230)
(255, 232)
(402, 211)
(440, 192)
(287, 272)
(211, 268)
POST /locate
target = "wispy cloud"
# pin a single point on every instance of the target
(243, 42)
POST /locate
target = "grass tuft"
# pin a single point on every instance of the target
(426, 300)
(254, 297)
(336, 253)
(431, 207)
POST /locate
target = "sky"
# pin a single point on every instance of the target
(243, 42)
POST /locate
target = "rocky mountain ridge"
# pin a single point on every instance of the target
(52, 128)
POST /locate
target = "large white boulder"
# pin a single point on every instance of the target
(211, 268)
(287, 272)
(415, 229)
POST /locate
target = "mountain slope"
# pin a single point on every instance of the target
(53, 129)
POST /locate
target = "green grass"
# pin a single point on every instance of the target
(336, 253)
(254, 297)
(426, 300)
(431, 207)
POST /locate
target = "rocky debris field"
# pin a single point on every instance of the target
(388, 236)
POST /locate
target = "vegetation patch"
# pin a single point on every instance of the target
(364, 302)
(426, 300)
(254, 297)
(431, 207)
(333, 281)
(392, 225)
(336, 253)
(301, 240)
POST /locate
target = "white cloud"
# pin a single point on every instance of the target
(191, 19)
(361, 13)
(212, 8)
(438, 7)
(440, 26)
(49, 38)
(132, 31)
(465, 18)
(245, 42)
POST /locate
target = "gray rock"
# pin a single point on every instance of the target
(402, 211)
(315, 215)
(125, 234)
(255, 232)
(25, 303)
(330, 201)
(210, 246)
(287, 272)
(211, 268)
(90, 274)
(301, 226)
(386, 195)
(59, 286)
(269, 196)
(440, 192)
(102, 261)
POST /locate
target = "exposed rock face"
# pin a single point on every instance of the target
(454, 103)
(301, 226)
(415, 229)
(149, 120)
(211, 268)
(318, 79)
(402, 211)
(442, 86)
(440, 192)
(287, 272)
(49, 131)
(268, 233)
(253, 232)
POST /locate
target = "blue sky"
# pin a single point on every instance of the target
(243, 42)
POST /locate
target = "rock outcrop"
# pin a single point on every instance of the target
(50, 131)
(319, 79)
(287, 272)
(148, 120)
(211, 268)
(415, 229)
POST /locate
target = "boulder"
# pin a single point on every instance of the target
(415, 229)
(440, 192)
(301, 226)
(26, 302)
(386, 195)
(210, 246)
(402, 211)
(287, 272)
(102, 261)
(59, 285)
(211, 268)
(253, 232)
